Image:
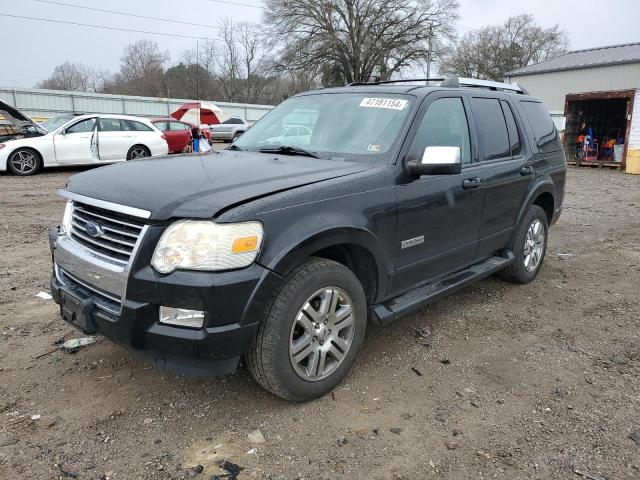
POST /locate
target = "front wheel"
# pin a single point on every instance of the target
(24, 162)
(308, 340)
(529, 247)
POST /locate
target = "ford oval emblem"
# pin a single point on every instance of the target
(93, 229)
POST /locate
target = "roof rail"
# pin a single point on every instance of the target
(456, 82)
(404, 80)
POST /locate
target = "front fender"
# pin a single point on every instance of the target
(313, 238)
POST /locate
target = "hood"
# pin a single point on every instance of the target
(15, 117)
(14, 123)
(202, 185)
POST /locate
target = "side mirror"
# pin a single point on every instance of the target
(437, 161)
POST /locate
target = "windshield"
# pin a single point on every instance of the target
(55, 122)
(334, 126)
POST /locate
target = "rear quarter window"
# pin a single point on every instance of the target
(544, 130)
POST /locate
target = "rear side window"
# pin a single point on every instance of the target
(136, 126)
(512, 128)
(543, 127)
(444, 125)
(162, 126)
(493, 136)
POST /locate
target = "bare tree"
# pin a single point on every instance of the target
(490, 52)
(242, 65)
(141, 70)
(76, 77)
(356, 40)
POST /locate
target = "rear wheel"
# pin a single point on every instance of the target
(308, 340)
(237, 136)
(138, 151)
(24, 162)
(529, 247)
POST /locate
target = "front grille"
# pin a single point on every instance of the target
(119, 232)
(101, 299)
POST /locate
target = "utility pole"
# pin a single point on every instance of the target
(429, 57)
(198, 78)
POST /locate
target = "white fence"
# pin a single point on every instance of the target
(48, 103)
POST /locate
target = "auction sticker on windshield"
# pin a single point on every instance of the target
(390, 103)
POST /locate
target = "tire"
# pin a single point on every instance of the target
(281, 333)
(236, 136)
(138, 151)
(523, 269)
(24, 162)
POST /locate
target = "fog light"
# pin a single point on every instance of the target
(181, 317)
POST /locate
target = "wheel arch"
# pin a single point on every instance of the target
(357, 249)
(543, 195)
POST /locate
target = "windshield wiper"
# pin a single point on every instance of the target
(288, 150)
(234, 147)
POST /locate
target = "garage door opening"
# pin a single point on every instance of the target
(597, 127)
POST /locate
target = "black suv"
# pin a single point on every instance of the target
(279, 249)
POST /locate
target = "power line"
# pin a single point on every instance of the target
(126, 14)
(240, 4)
(103, 27)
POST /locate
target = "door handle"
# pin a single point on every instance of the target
(528, 170)
(470, 183)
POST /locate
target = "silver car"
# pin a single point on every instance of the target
(229, 130)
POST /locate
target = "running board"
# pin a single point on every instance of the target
(425, 294)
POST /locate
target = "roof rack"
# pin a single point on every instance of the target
(456, 82)
(403, 80)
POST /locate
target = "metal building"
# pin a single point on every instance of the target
(597, 90)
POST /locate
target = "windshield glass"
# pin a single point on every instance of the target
(335, 126)
(56, 122)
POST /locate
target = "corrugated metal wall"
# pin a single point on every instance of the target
(47, 103)
(552, 87)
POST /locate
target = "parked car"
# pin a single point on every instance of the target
(80, 140)
(281, 254)
(229, 130)
(178, 133)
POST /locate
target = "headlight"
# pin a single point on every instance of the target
(66, 218)
(205, 245)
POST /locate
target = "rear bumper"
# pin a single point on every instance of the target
(234, 303)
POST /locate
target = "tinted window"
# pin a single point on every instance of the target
(109, 125)
(512, 128)
(178, 126)
(492, 129)
(543, 127)
(444, 125)
(233, 121)
(83, 126)
(136, 126)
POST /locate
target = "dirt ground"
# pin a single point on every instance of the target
(498, 381)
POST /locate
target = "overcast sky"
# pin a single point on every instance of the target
(33, 48)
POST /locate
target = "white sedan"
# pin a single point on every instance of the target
(75, 140)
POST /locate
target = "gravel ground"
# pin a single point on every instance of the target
(498, 381)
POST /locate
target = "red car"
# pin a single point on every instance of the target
(178, 133)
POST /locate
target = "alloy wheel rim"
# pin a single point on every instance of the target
(534, 245)
(322, 334)
(138, 153)
(24, 162)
